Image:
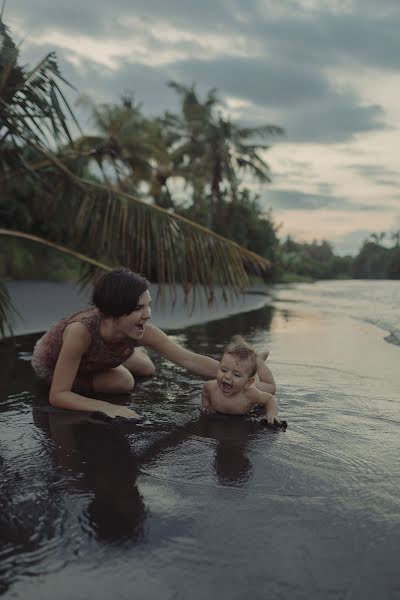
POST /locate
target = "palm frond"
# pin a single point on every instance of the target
(31, 102)
(63, 249)
(145, 237)
(7, 311)
(263, 131)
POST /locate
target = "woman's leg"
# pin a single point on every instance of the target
(114, 381)
(139, 363)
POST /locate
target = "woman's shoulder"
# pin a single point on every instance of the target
(87, 316)
(76, 334)
(80, 327)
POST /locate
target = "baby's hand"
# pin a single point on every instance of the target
(274, 421)
(271, 419)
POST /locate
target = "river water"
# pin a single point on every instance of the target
(199, 507)
(376, 302)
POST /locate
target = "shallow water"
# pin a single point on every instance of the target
(376, 302)
(203, 507)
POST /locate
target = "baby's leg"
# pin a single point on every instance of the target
(264, 379)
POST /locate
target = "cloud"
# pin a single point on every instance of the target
(293, 199)
(277, 63)
(305, 105)
(377, 172)
(105, 18)
(310, 66)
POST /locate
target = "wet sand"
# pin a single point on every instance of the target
(200, 508)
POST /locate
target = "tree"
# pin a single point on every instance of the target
(211, 152)
(377, 238)
(96, 223)
(396, 238)
(314, 261)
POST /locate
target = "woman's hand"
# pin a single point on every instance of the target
(114, 410)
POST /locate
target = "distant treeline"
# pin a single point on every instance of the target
(293, 261)
(318, 261)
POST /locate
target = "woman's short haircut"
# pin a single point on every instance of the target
(240, 348)
(117, 293)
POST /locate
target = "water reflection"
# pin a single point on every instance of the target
(97, 460)
(232, 465)
(210, 338)
(103, 464)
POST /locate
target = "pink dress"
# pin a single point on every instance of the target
(98, 358)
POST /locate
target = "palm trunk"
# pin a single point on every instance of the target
(216, 197)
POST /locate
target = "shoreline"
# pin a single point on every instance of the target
(300, 335)
(40, 304)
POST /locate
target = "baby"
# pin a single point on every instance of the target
(233, 391)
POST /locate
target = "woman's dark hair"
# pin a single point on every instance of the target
(117, 293)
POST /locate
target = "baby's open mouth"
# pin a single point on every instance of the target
(226, 387)
(140, 327)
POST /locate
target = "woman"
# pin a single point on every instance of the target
(98, 348)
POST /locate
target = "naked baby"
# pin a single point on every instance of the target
(243, 381)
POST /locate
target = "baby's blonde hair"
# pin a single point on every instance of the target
(243, 351)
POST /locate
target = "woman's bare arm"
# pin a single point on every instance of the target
(76, 341)
(157, 340)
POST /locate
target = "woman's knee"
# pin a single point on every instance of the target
(147, 369)
(115, 381)
(140, 363)
(125, 382)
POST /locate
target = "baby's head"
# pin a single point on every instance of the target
(237, 367)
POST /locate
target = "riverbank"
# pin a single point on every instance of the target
(42, 303)
(304, 332)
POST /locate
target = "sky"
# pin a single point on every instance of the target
(327, 71)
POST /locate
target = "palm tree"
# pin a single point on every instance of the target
(136, 148)
(121, 142)
(210, 149)
(395, 236)
(100, 225)
(377, 238)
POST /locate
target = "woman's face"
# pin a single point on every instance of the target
(134, 324)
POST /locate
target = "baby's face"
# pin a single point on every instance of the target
(233, 375)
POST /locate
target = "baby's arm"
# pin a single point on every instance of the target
(268, 401)
(206, 397)
(271, 407)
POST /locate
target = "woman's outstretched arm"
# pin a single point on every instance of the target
(159, 341)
